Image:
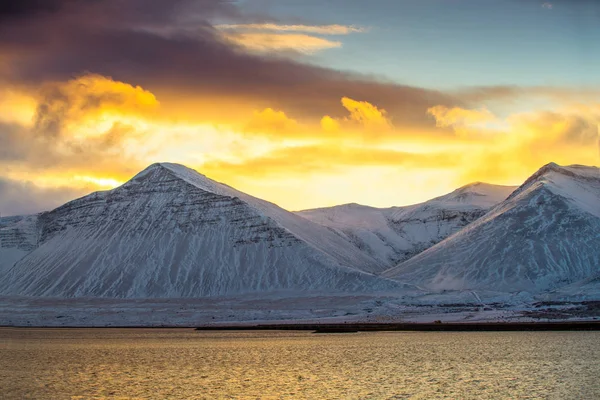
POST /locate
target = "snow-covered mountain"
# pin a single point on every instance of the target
(172, 232)
(545, 235)
(392, 235)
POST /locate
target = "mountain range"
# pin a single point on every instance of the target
(546, 234)
(395, 234)
(171, 232)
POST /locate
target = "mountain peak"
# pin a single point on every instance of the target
(161, 170)
(574, 170)
(555, 176)
(479, 194)
(173, 168)
(472, 185)
(544, 235)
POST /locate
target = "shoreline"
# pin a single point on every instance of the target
(420, 327)
(364, 327)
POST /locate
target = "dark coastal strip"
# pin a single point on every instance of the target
(423, 327)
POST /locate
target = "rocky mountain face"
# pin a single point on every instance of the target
(172, 232)
(544, 236)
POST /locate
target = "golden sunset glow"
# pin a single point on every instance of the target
(249, 102)
(109, 130)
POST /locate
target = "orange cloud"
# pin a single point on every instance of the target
(321, 175)
(559, 128)
(363, 116)
(329, 124)
(78, 127)
(17, 107)
(531, 140)
(272, 123)
(325, 158)
(366, 114)
(93, 131)
(65, 105)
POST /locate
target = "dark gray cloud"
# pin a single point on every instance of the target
(171, 46)
(14, 144)
(22, 198)
(22, 9)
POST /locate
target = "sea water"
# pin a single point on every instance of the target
(188, 364)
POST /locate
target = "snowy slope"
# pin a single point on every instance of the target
(544, 236)
(395, 234)
(172, 232)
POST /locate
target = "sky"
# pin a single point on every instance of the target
(303, 103)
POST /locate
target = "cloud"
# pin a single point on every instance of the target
(447, 117)
(16, 142)
(271, 123)
(547, 6)
(17, 108)
(330, 173)
(362, 114)
(315, 29)
(172, 50)
(363, 120)
(265, 42)
(82, 124)
(503, 95)
(327, 157)
(558, 128)
(366, 113)
(531, 140)
(22, 9)
(99, 90)
(329, 124)
(64, 102)
(22, 198)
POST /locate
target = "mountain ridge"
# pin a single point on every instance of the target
(395, 234)
(171, 232)
(543, 236)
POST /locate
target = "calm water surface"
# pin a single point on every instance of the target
(161, 364)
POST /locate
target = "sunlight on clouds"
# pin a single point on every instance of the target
(321, 158)
(329, 124)
(506, 152)
(93, 133)
(317, 29)
(271, 122)
(366, 114)
(531, 140)
(89, 105)
(446, 117)
(108, 183)
(265, 42)
(16, 107)
(374, 185)
(268, 37)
